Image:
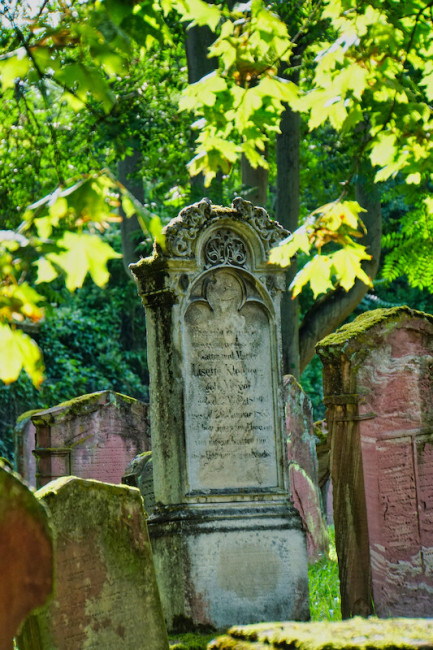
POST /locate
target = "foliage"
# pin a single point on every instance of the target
(324, 585)
(369, 76)
(92, 340)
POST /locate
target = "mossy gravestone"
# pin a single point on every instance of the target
(228, 544)
(356, 634)
(93, 436)
(26, 555)
(378, 387)
(106, 596)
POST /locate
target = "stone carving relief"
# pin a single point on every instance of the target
(183, 231)
(224, 247)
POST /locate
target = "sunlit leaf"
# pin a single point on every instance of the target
(18, 351)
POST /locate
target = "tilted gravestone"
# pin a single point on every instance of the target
(378, 386)
(228, 544)
(26, 555)
(106, 595)
(139, 473)
(93, 436)
(303, 467)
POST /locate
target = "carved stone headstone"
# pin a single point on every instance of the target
(378, 386)
(106, 595)
(93, 436)
(26, 555)
(228, 544)
(303, 467)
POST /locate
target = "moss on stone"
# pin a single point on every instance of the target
(357, 634)
(78, 405)
(190, 641)
(360, 328)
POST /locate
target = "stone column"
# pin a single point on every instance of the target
(228, 544)
(378, 392)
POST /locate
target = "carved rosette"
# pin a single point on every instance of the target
(182, 232)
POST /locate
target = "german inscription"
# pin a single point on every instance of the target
(229, 401)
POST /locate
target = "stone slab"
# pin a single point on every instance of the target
(106, 594)
(355, 634)
(26, 555)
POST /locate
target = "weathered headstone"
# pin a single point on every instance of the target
(26, 555)
(139, 474)
(25, 443)
(93, 436)
(106, 595)
(228, 545)
(303, 467)
(378, 386)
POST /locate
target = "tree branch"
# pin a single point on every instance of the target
(333, 308)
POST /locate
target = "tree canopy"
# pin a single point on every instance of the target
(359, 73)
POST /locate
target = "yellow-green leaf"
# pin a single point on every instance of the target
(18, 351)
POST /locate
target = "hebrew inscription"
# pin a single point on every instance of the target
(229, 405)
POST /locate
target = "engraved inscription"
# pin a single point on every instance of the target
(230, 434)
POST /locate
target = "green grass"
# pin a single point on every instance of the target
(324, 586)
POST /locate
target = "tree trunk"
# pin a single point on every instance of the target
(254, 183)
(128, 173)
(287, 213)
(331, 310)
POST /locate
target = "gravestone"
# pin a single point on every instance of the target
(93, 436)
(106, 595)
(24, 436)
(379, 395)
(139, 474)
(303, 467)
(228, 544)
(26, 555)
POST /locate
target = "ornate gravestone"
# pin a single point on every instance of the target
(379, 393)
(228, 545)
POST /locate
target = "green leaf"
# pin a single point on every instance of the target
(283, 253)
(83, 253)
(18, 351)
(13, 65)
(347, 265)
(317, 272)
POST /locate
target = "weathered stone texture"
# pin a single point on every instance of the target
(378, 390)
(25, 441)
(94, 436)
(220, 469)
(303, 467)
(139, 473)
(356, 634)
(26, 555)
(106, 595)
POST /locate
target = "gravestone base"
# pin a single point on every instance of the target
(234, 563)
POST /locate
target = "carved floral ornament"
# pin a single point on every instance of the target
(182, 232)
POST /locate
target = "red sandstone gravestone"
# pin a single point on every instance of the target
(92, 436)
(303, 467)
(378, 386)
(106, 597)
(26, 555)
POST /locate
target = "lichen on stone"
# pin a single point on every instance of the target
(361, 328)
